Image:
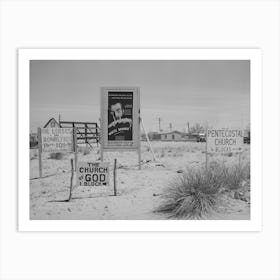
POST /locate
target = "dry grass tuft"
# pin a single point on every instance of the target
(56, 156)
(85, 150)
(193, 195)
(196, 193)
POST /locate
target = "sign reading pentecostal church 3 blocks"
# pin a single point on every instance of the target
(57, 140)
(224, 140)
(120, 117)
(93, 174)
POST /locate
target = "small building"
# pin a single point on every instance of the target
(154, 136)
(173, 136)
(52, 123)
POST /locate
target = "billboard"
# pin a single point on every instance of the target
(120, 118)
(224, 140)
(93, 174)
(57, 140)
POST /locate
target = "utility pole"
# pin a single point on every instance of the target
(170, 126)
(159, 122)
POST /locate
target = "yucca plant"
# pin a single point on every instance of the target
(236, 175)
(194, 194)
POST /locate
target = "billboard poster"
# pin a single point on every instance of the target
(120, 116)
(224, 140)
(120, 113)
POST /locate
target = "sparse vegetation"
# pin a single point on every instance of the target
(192, 195)
(33, 154)
(57, 156)
(223, 192)
(171, 150)
(196, 193)
(236, 176)
(85, 150)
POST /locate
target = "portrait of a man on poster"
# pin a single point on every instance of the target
(120, 116)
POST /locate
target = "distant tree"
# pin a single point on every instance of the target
(197, 128)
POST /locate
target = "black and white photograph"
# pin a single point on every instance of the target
(140, 139)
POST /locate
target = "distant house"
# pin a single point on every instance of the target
(51, 123)
(173, 136)
(198, 137)
(182, 136)
(154, 136)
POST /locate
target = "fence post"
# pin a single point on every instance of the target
(115, 175)
(40, 151)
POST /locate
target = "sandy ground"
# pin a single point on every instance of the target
(138, 190)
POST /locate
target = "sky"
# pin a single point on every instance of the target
(194, 91)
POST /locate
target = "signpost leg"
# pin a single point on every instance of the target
(139, 156)
(40, 151)
(239, 160)
(101, 154)
(71, 180)
(148, 140)
(206, 148)
(115, 177)
(75, 148)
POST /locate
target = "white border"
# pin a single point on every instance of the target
(254, 55)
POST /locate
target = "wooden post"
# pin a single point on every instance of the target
(71, 180)
(115, 177)
(75, 147)
(86, 139)
(148, 140)
(40, 151)
(239, 160)
(101, 153)
(101, 145)
(139, 157)
(139, 142)
(206, 146)
(97, 135)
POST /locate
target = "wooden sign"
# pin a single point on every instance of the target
(57, 140)
(224, 140)
(93, 174)
(53, 140)
(120, 118)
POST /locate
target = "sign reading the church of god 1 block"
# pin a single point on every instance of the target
(93, 174)
(57, 140)
(224, 140)
(120, 116)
